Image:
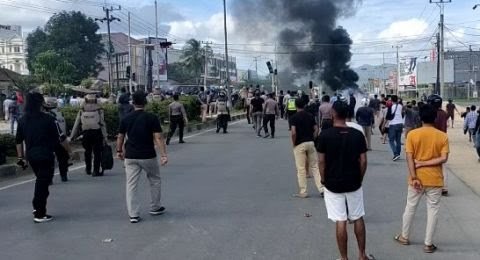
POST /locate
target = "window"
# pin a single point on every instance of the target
(16, 49)
(2, 50)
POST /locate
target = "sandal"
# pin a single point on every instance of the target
(401, 240)
(370, 257)
(429, 249)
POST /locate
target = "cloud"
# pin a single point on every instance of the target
(404, 29)
(210, 30)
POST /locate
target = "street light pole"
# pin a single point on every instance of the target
(227, 80)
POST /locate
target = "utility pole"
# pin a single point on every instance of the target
(156, 42)
(437, 85)
(129, 56)
(398, 68)
(383, 73)
(108, 19)
(441, 56)
(227, 80)
(206, 53)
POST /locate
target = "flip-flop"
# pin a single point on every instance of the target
(399, 239)
(429, 249)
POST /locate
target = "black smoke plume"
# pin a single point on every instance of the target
(307, 33)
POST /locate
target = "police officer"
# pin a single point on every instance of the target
(291, 109)
(178, 118)
(222, 112)
(203, 98)
(62, 148)
(90, 123)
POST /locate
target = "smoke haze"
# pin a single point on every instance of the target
(306, 32)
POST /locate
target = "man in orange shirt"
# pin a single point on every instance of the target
(427, 150)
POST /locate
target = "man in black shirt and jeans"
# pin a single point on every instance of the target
(142, 131)
(40, 133)
(303, 132)
(342, 155)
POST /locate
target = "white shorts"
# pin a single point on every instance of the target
(344, 206)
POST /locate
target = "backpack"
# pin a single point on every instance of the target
(90, 120)
(13, 109)
(391, 115)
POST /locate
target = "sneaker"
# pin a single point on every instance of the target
(322, 194)
(266, 135)
(300, 195)
(395, 158)
(272, 136)
(218, 130)
(157, 212)
(445, 193)
(225, 132)
(43, 219)
(259, 136)
(134, 219)
(181, 142)
(168, 141)
(64, 178)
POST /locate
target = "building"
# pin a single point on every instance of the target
(13, 55)
(467, 66)
(6, 81)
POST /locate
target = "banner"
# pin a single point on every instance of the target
(159, 57)
(408, 74)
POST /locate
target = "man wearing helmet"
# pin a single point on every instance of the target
(62, 148)
(90, 123)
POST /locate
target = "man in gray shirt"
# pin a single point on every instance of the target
(178, 118)
(271, 112)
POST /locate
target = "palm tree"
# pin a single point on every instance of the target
(193, 58)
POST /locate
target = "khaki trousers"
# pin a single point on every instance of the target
(204, 113)
(368, 136)
(432, 195)
(133, 169)
(306, 152)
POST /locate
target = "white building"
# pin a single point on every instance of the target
(13, 51)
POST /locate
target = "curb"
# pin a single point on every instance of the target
(10, 171)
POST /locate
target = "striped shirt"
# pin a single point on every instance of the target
(471, 120)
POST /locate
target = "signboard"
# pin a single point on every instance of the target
(159, 57)
(408, 74)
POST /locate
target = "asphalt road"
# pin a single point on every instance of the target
(227, 197)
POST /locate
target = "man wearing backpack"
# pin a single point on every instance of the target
(395, 129)
(90, 123)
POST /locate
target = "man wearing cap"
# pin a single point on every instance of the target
(142, 131)
(178, 118)
(90, 123)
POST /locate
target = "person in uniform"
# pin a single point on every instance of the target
(291, 109)
(222, 112)
(90, 123)
(62, 149)
(178, 118)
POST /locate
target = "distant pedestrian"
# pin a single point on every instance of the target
(90, 123)
(271, 112)
(303, 133)
(13, 114)
(178, 118)
(74, 101)
(291, 108)
(477, 135)
(256, 105)
(223, 112)
(395, 129)
(124, 106)
(470, 122)
(352, 103)
(374, 104)
(313, 108)
(412, 117)
(427, 150)
(366, 118)
(203, 99)
(248, 101)
(451, 108)
(281, 105)
(40, 134)
(142, 132)
(343, 164)
(384, 123)
(6, 105)
(325, 113)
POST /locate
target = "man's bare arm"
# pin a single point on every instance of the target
(432, 162)
(293, 135)
(160, 142)
(20, 151)
(363, 164)
(411, 166)
(321, 165)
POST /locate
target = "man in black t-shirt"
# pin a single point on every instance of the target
(256, 109)
(303, 132)
(343, 163)
(142, 131)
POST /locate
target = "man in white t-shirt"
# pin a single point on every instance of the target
(395, 128)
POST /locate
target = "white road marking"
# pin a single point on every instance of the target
(83, 166)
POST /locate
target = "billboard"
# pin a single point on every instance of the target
(159, 58)
(408, 74)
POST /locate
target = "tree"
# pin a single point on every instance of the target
(51, 68)
(25, 84)
(193, 58)
(178, 72)
(72, 36)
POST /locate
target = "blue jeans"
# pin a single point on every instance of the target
(395, 138)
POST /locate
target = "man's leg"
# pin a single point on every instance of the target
(132, 171)
(368, 136)
(62, 158)
(272, 125)
(97, 153)
(313, 166)
(204, 113)
(153, 174)
(265, 124)
(44, 173)
(360, 234)
(413, 197)
(173, 128)
(259, 123)
(342, 238)
(391, 139)
(300, 157)
(88, 146)
(432, 196)
(181, 127)
(248, 115)
(398, 138)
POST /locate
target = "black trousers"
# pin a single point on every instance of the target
(93, 143)
(249, 120)
(62, 158)
(43, 170)
(222, 122)
(290, 113)
(282, 110)
(176, 121)
(269, 119)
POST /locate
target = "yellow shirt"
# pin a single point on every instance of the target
(427, 143)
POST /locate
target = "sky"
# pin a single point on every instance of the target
(375, 27)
